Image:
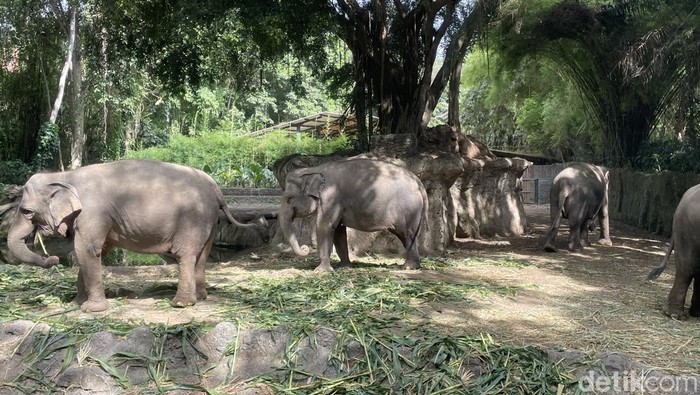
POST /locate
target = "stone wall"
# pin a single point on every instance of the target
(471, 192)
(647, 201)
(488, 199)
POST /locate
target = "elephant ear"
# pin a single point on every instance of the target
(313, 184)
(64, 206)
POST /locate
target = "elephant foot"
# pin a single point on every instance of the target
(181, 300)
(605, 242)
(94, 306)
(201, 294)
(411, 266)
(550, 248)
(345, 264)
(79, 300)
(585, 243)
(674, 312)
(323, 268)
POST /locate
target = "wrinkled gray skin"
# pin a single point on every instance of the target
(580, 194)
(363, 194)
(144, 206)
(685, 240)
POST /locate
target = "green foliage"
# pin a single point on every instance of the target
(525, 107)
(238, 160)
(15, 172)
(630, 61)
(47, 146)
(668, 154)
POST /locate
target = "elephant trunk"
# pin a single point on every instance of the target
(285, 219)
(19, 231)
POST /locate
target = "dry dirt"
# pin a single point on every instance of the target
(594, 301)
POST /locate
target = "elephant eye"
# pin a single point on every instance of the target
(26, 212)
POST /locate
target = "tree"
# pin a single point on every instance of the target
(591, 45)
(395, 46)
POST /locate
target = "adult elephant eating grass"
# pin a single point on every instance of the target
(140, 205)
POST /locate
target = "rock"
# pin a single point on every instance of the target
(488, 199)
(86, 380)
(16, 340)
(260, 352)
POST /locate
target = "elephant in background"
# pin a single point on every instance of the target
(579, 193)
(364, 194)
(685, 240)
(139, 205)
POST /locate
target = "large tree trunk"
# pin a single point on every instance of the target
(77, 112)
(66, 65)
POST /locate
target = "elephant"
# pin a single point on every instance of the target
(140, 205)
(359, 193)
(685, 240)
(580, 194)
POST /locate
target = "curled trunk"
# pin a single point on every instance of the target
(285, 221)
(20, 230)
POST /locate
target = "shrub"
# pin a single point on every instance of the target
(15, 172)
(240, 161)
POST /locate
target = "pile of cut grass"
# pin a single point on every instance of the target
(373, 307)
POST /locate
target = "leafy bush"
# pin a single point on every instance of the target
(238, 161)
(15, 172)
(671, 154)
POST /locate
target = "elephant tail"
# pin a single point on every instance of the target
(655, 273)
(224, 207)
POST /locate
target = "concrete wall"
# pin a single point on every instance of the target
(648, 201)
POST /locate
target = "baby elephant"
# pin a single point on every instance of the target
(579, 193)
(685, 240)
(140, 205)
(363, 194)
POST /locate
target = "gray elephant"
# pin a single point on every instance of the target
(140, 205)
(580, 194)
(685, 240)
(364, 194)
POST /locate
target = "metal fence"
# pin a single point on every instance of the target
(537, 182)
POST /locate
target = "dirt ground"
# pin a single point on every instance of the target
(595, 301)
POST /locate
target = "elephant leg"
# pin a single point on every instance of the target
(325, 231)
(340, 241)
(695, 301)
(410, 243)
(604, 222)
(584, 234)
(574, 235)
(81, 297)
(186, 294)
(552, 234)
(675, 305)
(200, 267)
(412, 256)
(90, 288)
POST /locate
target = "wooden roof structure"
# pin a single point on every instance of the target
(324, 124)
